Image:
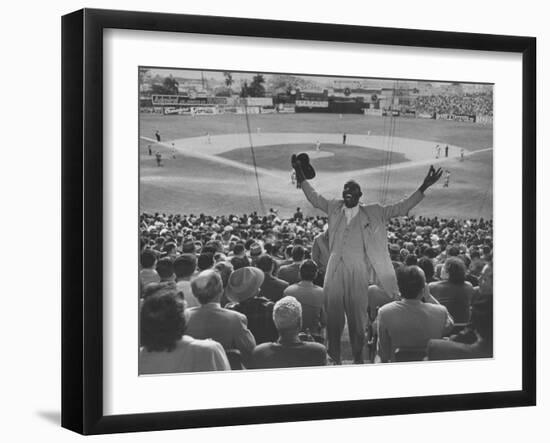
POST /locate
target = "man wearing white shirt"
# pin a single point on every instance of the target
(358, 257)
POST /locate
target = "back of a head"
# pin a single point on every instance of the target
(162, 322)
(185, 265)
(165, 268)
(308, 270)
(147, 258)
(169, 247)
(428, 267)
(238, 249)
(411, 281)
(207, 286)
(287, 314)
(456, 270)
(205, 261)
(411, 260)
(265, 263)
(239, 262)
(298, 253)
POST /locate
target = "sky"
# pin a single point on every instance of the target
(240, 77)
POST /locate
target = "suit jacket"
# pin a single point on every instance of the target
(272, 288)
(374, 218)
(290, 273)
(410, 323)
(229, 328)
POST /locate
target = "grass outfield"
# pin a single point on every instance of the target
(470, 136)
(194, 185)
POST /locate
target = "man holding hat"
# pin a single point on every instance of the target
(358, 245)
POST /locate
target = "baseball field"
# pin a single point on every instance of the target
(222, 164)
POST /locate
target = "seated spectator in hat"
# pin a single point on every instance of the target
(165, 269)
(482, 328)
(164, 347)
(184, 268)
(291, 273)
(409, 322)
(272, 287)
(210, 320)
(148, 273)
(312, 299)
(395, 255)
(454, 292)
(289, 351)
(243, 292)
(256, 251)
(205, 261)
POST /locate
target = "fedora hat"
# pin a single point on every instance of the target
(307, 168)
(244, 283)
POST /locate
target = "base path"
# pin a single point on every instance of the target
(419, 152)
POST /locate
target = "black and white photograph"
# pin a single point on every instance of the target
(291, 220)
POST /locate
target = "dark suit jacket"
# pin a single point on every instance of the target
(227, 327)
(272, 288)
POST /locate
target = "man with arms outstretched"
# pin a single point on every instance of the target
(358, 256)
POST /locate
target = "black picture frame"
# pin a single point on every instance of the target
(82, 220)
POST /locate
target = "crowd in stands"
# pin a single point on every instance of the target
(237, 292)
(464, 104)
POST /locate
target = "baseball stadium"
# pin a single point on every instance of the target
(220, 199)
(236, 163)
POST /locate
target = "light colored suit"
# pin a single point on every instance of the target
(227, 327)
(374, 218)
(358, 257)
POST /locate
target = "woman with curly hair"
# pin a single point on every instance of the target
(165, 348)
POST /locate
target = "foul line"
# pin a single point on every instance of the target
(215, 159)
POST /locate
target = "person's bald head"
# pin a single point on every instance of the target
(207, 287)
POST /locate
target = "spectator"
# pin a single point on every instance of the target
(148, 274)
(224, 268)
(409, 322)
(272, 287)
(428, 267)
(239, 262)
(210, 320)
(289, 351)
(243, 291)
(165, 269)
(312, 299)
(255, 251)
(170, 250)
(291, 273)
(482, 326)
(184, 268)
(165, 348)
(205, 261)
(454, 293)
